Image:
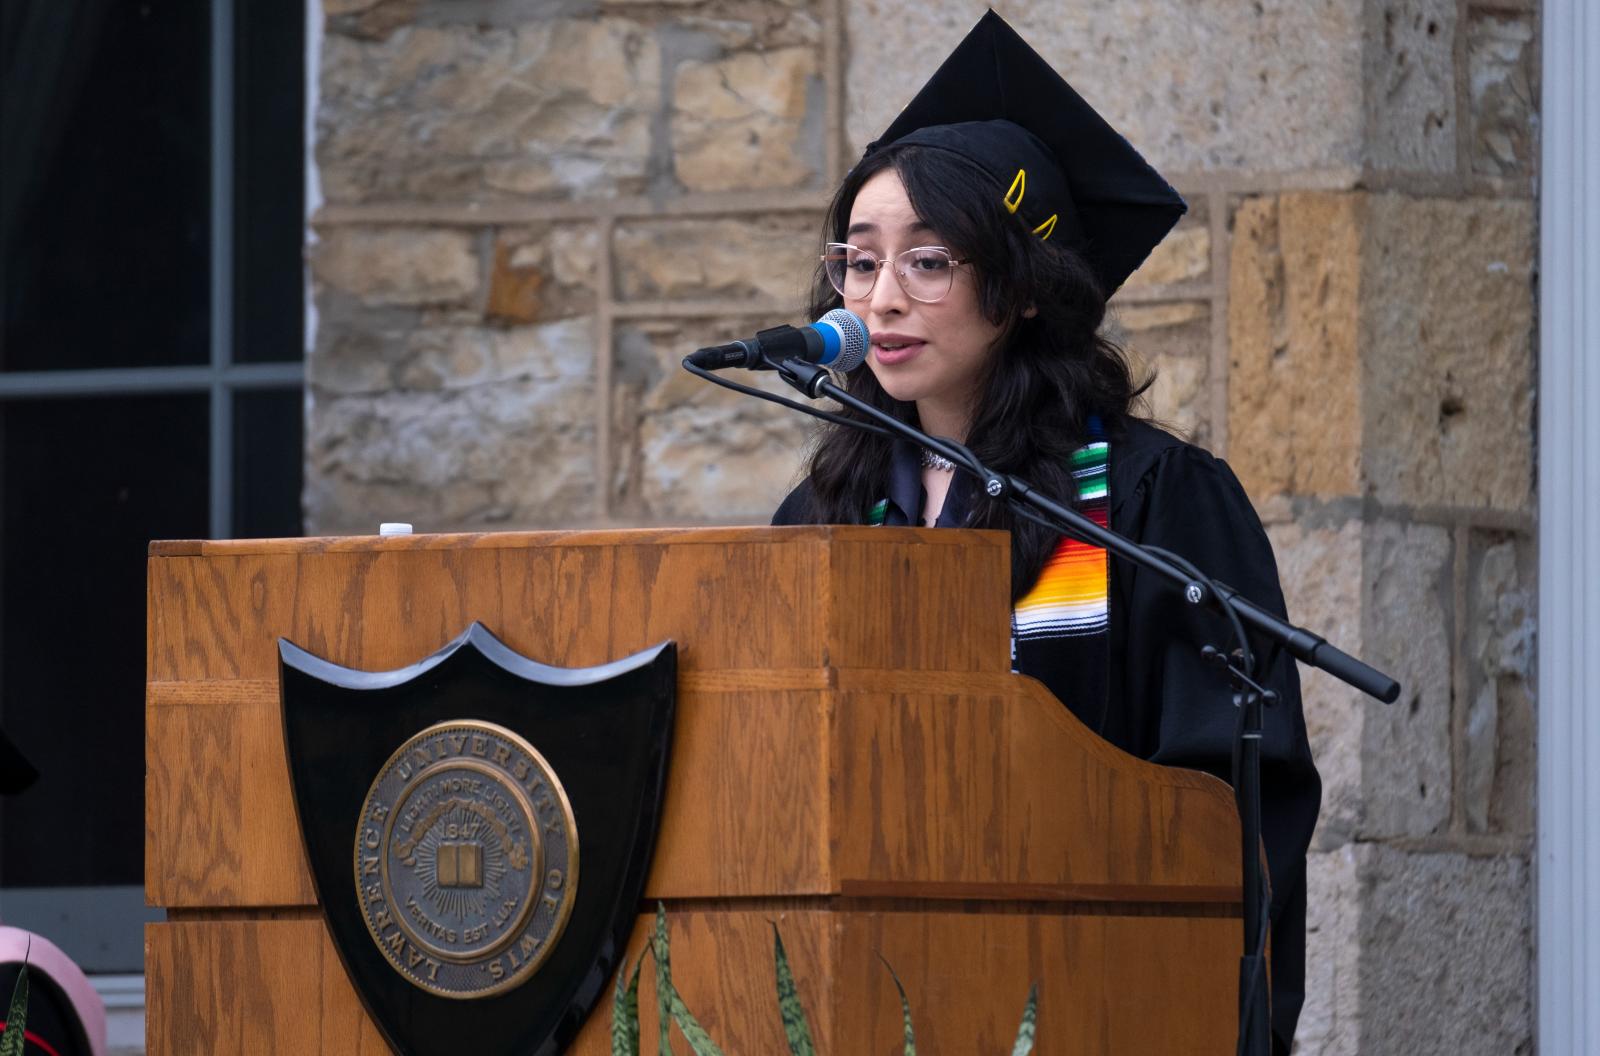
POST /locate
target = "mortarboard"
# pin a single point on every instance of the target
(1070, 176)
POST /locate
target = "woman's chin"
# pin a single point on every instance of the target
(897, 385)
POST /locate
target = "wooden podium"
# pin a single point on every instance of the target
(852, 759)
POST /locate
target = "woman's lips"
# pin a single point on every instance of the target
(902, 349)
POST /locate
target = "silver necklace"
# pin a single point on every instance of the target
(930, 460)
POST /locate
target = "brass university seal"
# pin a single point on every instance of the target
(466, 859)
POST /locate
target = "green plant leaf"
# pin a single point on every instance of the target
(625, 1011)
(795, 1027)
(699, 1041)
(12, 1040)
(670, 1002)
(663, 959)
(905, 1008)
(1030, 1012)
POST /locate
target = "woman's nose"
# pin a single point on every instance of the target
(888, 296)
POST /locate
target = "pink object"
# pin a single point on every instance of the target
(45, 957)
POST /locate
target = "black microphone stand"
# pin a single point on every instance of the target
(1255, 1033)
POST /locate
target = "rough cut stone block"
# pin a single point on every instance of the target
(458, 111)
(1501, 652)
(1381, 346)
(1407, 630)
(543, 273)
(1194, 84)
(372, 19)
(1380, 591)
(409, 266)
(739, 25)
(685, 450)
(467, 428)
(1183, 256)
(1320, 568)
(1411, 87)
(752, 120)
(1445, 954)
(1174, 341)
(360, 352)
(1504, 99)
(1447, 351)
(1411, 952)
(1330, 1016)
(1294, 404)
(772, 257)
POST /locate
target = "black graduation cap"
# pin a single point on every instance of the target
(1060, 167)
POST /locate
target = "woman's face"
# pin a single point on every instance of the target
(929, 354)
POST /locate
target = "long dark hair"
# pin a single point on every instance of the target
(1050, 371)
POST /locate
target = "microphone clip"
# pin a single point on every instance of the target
(800, 374)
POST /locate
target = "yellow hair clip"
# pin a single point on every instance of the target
(1044, 229)
(1019, 187)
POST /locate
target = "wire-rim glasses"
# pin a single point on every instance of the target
(926, 273)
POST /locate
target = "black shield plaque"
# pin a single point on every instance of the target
(604, 735)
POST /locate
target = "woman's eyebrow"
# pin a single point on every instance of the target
(867, 227)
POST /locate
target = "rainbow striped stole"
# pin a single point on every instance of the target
(1069, 599)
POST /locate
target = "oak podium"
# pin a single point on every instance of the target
(852, 759)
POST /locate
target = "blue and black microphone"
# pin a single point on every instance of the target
(837, 341)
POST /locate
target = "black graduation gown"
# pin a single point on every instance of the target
(1162, 702)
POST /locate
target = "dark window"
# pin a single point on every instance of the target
(151, 217)
(104, 183)
(86, 482)
(269, 178)
(267, 467)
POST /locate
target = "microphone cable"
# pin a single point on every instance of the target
(772, 397)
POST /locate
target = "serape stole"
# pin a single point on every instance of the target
(1059, 629)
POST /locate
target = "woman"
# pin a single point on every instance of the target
(979, 239)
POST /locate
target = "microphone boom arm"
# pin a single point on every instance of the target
(1303, 645)
(1249, 695)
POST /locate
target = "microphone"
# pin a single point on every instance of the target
(837, 341)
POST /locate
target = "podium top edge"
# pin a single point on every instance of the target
(568, 538)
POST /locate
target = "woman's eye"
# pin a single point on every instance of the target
(863, 264)
(930, 263)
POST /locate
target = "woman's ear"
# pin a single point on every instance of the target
(1030, 311)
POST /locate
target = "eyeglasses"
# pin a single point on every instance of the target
(925, 272)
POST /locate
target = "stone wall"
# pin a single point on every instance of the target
(536, 207)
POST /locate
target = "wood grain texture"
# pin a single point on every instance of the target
(1109, 986)
(956, 776)
(962, 621)
(598, 538)
(746, 809)
(842, 727)
(757, 599)
(1170, 900)
(248, 987)
(1007, 787)
(220, 824)
(234, 987)
(220, 617)
(920, 789)
(259, 986)
(722, 965)
(754, 612)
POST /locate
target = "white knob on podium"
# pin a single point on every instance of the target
(394, 528)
